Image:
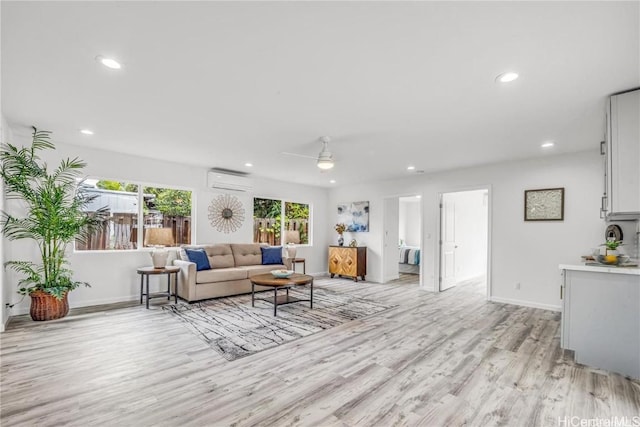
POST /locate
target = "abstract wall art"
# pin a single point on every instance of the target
(355, 215)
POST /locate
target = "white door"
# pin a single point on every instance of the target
(447, 242)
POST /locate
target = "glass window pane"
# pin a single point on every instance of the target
(119, 231)
(167, 216)
(267, 221)
(296, 223)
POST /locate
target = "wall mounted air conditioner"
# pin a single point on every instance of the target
(224, 179)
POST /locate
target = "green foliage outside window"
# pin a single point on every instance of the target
(298, 211)
(171, 202)
(110, 185)
(269, 208)
(167, 201)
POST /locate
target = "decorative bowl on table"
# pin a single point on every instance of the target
(612, 259)
(609, 260)
(281, 274)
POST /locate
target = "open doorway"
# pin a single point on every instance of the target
(402, 239)
(464, 239)
(409, 235)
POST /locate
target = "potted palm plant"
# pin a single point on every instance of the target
(53, 215)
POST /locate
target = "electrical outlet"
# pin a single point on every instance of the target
(518, 286)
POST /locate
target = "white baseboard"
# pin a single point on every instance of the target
(24, 309)
(526, 303)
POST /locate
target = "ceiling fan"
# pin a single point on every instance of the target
(324, 159)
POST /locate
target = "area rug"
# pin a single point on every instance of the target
(234, 329)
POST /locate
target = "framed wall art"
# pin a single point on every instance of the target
(355, 215)
(544, 205)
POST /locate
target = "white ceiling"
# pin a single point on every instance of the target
(393, 83)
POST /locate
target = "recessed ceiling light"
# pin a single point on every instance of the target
(418, 196)
(507, 77)
(108, 62)
(248, 164)
(332, 181)
(547, 144)
(86, 132)
(410, 168)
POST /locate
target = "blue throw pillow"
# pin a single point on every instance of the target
(199, 256)
(271, 255)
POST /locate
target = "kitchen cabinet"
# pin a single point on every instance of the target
(348, 261)
(601, 317)
(622, 174)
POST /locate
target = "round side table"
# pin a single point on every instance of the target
(299, 261)
(150, 271)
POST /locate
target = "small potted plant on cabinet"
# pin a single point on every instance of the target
(611, 251)
(52, 214)
(340, 229)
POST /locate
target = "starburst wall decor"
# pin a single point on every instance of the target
(226, 213)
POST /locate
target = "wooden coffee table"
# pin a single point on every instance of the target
(269, 280)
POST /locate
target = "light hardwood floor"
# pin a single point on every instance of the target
(433, 360)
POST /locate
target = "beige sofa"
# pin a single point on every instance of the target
(232, 264)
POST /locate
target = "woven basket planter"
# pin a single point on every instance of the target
(45, 306)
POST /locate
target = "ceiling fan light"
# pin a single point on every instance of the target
(325, 162)
(325, 159)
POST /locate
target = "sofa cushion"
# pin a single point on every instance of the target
(254, 270)
(247, 254)
(220, 275)
(272, 255)
(199, 257)
(220, 255)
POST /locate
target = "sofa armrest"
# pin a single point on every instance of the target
(287, 262)
(187, 288)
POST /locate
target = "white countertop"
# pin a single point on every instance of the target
(601, 269)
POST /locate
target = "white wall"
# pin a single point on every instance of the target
(471, 233)
(391, 238)
(410, 221)
(112, 274)
(5, 289)
(522, 252)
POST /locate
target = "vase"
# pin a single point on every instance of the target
(159, 257)
(611, 256)
(291, 251)
(340, 240)
(45, 306)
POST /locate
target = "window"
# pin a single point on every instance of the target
(296, 223)
(165, 215)
(269, 226)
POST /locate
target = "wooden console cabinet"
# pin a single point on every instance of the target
(348, 261)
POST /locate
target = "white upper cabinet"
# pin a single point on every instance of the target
(623, 156)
